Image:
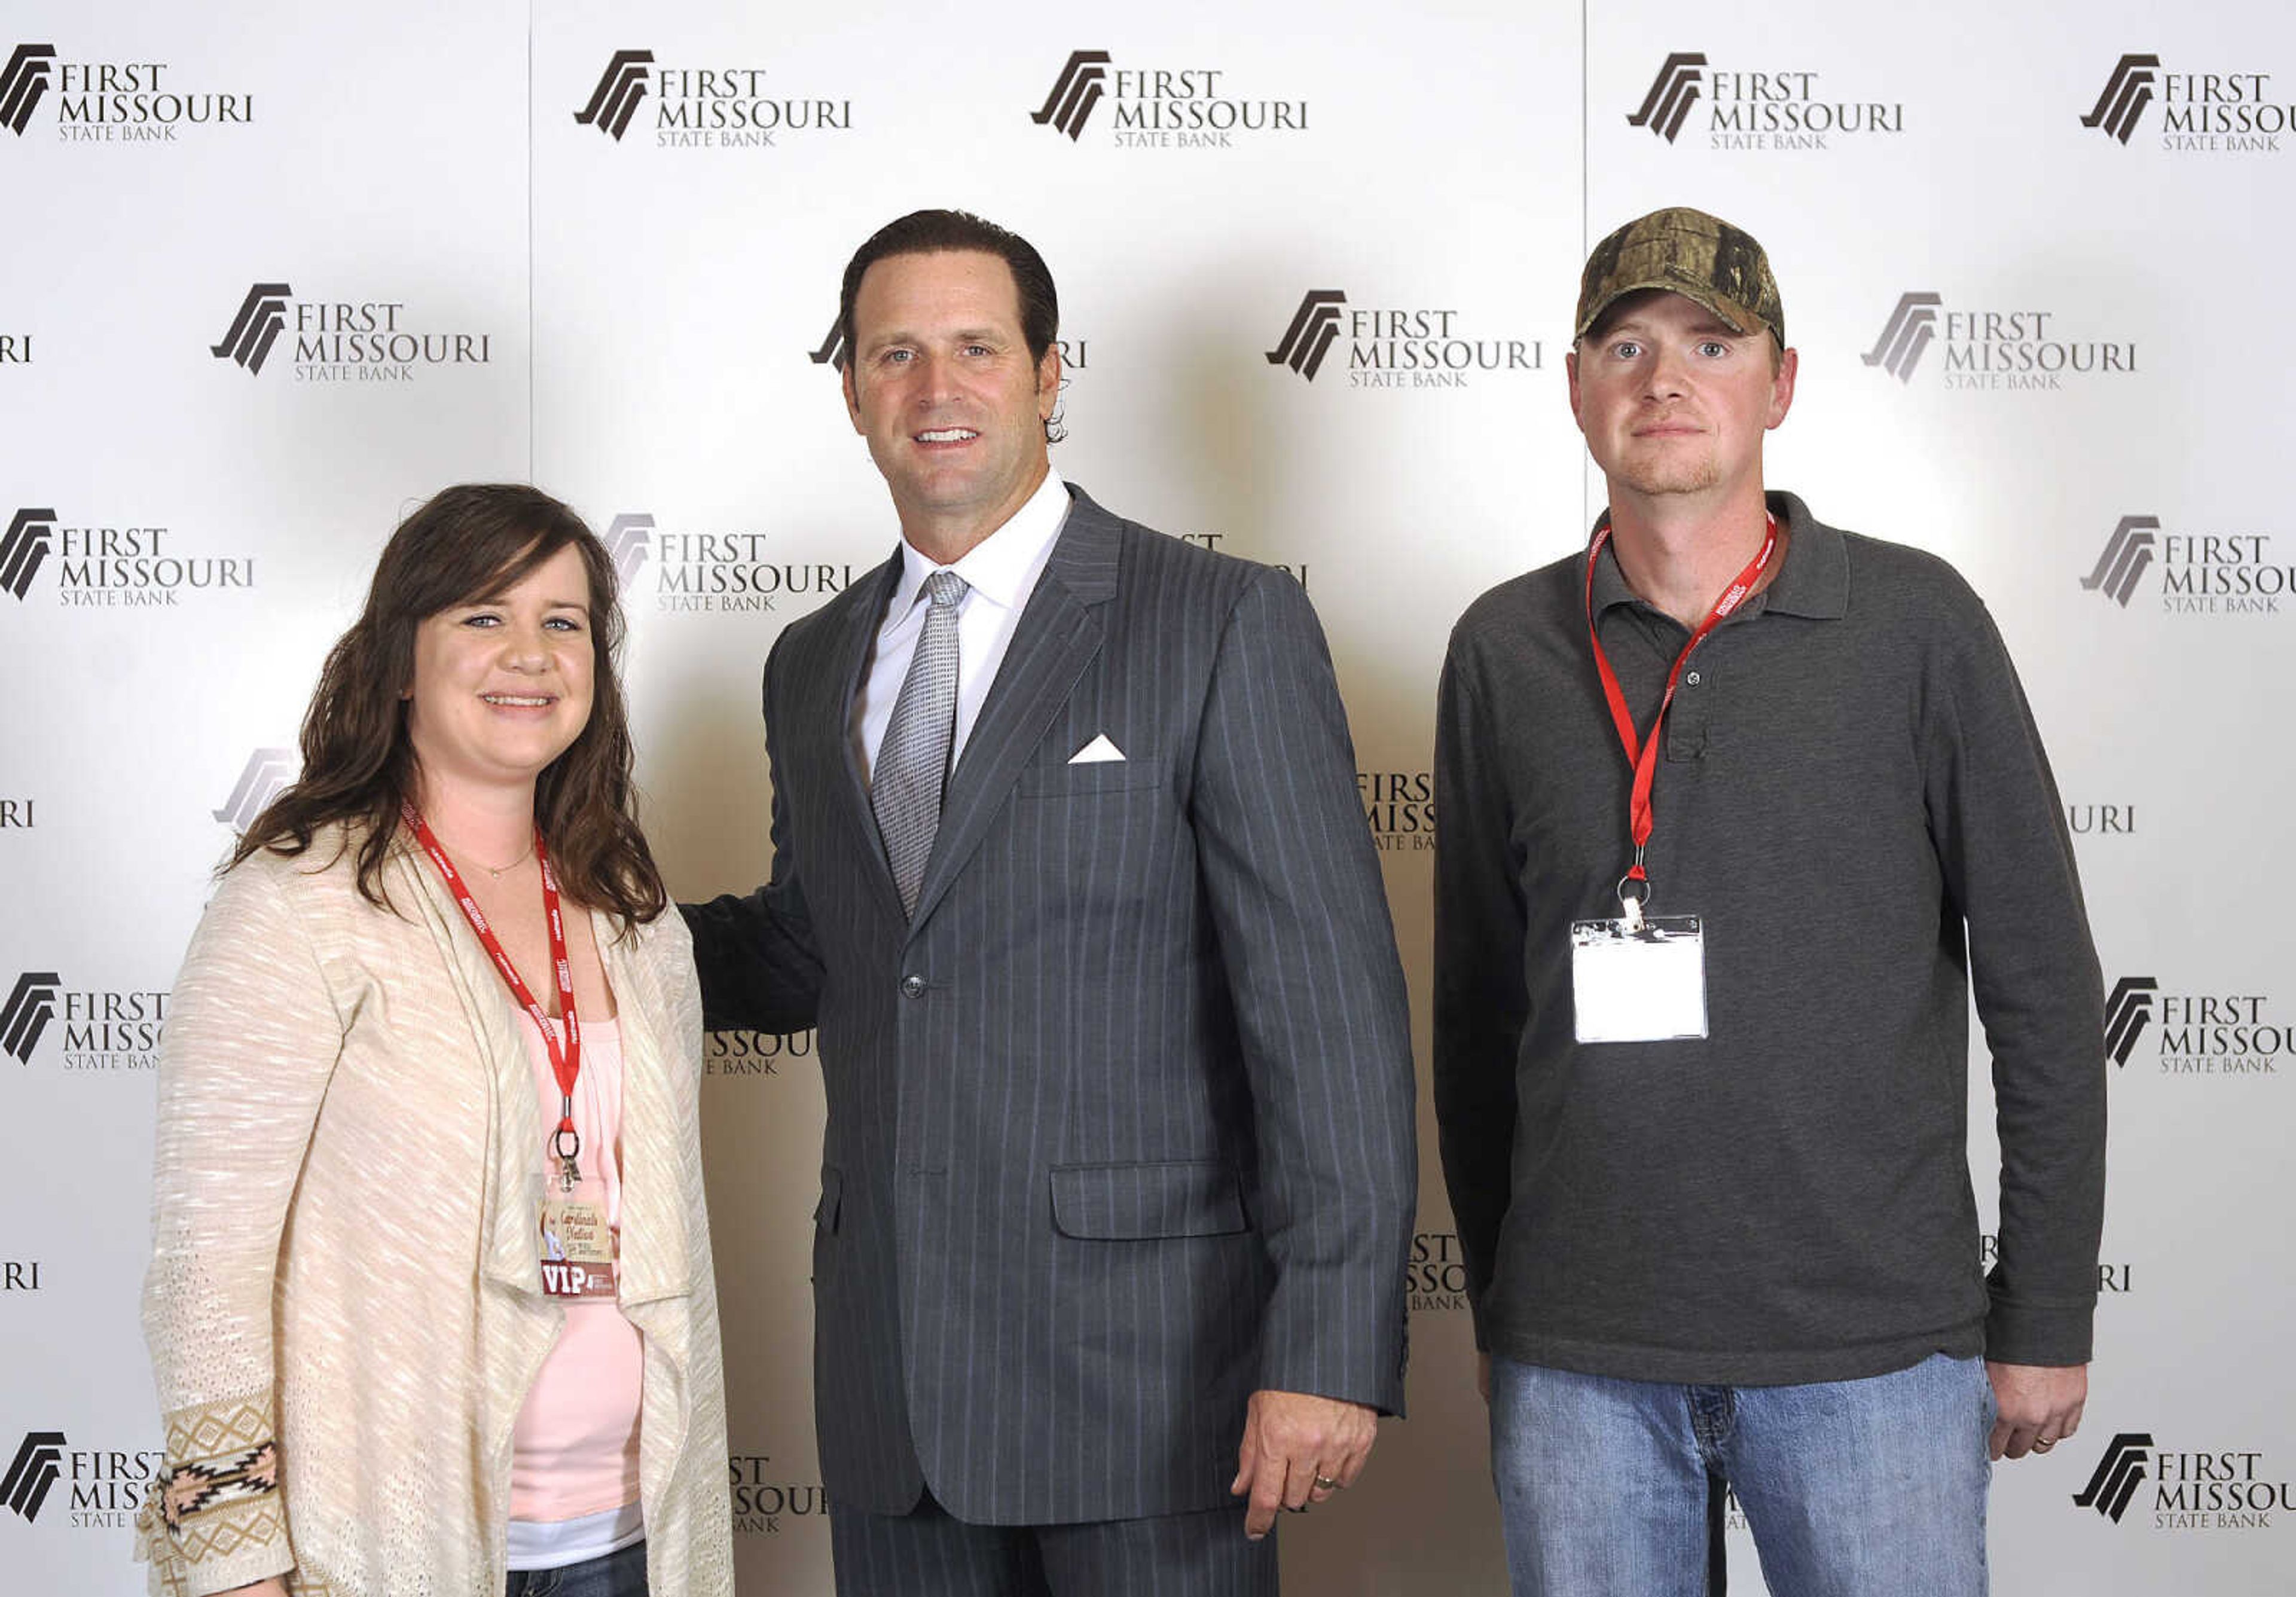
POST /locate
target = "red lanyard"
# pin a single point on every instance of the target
(1642, 753)
(565, 1063)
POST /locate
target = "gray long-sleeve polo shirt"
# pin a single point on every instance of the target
(1854, 797)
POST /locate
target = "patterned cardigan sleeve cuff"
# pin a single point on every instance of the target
(215, 1518)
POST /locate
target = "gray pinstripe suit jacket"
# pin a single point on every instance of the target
(1120, 1126)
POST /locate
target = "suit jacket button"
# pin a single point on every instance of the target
(912, 986)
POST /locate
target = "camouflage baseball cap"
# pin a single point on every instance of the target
(1690, 253)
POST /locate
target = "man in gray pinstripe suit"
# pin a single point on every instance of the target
(1070, 872)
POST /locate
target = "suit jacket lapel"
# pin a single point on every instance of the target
(1059, 633)
(852, 659)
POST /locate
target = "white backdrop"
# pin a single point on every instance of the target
(628, 320)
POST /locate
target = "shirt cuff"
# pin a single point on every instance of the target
(215, 1517)
(2032, 1333)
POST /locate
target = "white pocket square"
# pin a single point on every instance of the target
(1098, 752)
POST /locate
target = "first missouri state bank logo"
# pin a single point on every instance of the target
(262, 316)
(266, 772)
(2216, 1489)
(2126, 553)
(1992, 348)
(718, 570)
(1905, 336)
(103, 1029)
(343, 339)
(1672, 93)
(33, 1473)
(702, 107)
(140, 100)
(2127, 93)
(2214, 112)
(1766, 109)
(24, 548)
(627, 541)
(1186, 107)
(2199, 1030)
(31, 1005)
(832, 352)
(765, 1499)
(755, 1054)
(2126, 1013)
(2215, 573)
(1387, 348)
(112, 560)
(102, 1486)
(1077, 89)
(1314, 327)
(2118, 1473)
(620, 88)
(23, 84)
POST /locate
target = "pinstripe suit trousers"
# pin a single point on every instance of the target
(1169, 1555)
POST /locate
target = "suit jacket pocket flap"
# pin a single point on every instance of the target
(1093, 776)
(832, 1188)
(1181, 1197)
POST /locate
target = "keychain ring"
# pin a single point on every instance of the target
(565, 1153)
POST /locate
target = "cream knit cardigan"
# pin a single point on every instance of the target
(344, 1244)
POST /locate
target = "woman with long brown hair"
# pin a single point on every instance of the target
(429, 1306)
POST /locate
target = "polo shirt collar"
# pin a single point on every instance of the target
(1814, 582)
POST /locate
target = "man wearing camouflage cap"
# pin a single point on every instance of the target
(1736, 808)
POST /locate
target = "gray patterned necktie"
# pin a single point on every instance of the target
(904, 785)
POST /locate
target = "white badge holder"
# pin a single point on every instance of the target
(1638, 979)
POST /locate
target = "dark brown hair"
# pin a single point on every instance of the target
(467, 545)
(935, 231)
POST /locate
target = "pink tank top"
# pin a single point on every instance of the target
(575, 1448)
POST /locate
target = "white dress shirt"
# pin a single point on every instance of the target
(1000, 573)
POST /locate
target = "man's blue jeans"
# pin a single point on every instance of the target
(1852, 1488)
